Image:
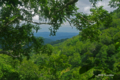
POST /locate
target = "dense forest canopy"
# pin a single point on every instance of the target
(50, 12)
(94, 51)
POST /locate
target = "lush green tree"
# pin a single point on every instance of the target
(28, 70)
(7, 72)
(75, 60)
(70, 58)
(58, 41)
(58, 63)
(13, 36)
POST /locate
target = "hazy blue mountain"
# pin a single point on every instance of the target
(59, 35)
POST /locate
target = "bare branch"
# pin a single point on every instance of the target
(37, 22)
(9, 53)
(68, 21)
(85, 19)
(11, 21)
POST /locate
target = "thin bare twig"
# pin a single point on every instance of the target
(10, 21)
(85, 19)
(37, 22)
(8, 53)
(68, 21)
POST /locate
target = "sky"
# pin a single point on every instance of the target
(84, 6)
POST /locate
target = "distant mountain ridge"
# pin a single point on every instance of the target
(51, 39)
(59, 35)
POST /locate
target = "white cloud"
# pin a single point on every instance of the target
(101, 4)
(87, 9)
(105, 5)
(85, 5)
(36, 18)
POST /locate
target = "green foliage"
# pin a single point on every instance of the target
(96, 50)
(48, 49)
(28, 70)
(114, 3)
(101, 56)
(7, 72)
(85, 68)
(53, 12)
(116, 76)
(58, 41)
(117, 46)
(75, 60)
(17, 35)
